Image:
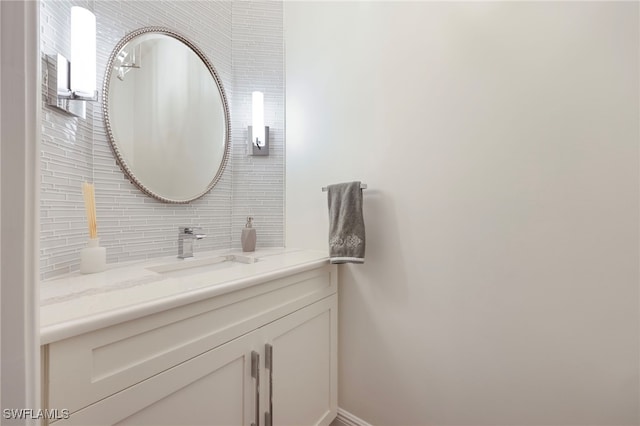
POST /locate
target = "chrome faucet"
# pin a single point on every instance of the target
(186, 236)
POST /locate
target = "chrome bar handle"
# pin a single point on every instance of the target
(255, 373)
(268, 364)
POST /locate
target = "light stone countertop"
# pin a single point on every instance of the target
(74, 303)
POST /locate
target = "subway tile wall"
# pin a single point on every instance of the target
(130, 224)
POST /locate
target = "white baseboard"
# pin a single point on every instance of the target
(345, 418)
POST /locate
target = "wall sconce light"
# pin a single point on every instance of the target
(258, 132)
(130, 57)
(70, 85)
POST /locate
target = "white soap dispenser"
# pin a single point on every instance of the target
(248, 238)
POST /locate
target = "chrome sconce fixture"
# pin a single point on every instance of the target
(258, 132)
(71, 84)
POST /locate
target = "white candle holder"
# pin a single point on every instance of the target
(93, 258)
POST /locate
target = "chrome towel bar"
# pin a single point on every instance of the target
(362, 186)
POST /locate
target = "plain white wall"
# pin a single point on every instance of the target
(500, 145)
(19, 149)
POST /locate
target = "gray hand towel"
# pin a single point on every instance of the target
(346, 224)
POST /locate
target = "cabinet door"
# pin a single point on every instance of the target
(215, 388)
(303, 377)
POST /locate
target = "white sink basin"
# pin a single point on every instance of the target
(183, 268)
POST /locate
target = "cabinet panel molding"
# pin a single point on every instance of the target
(213, 389)
(304, 359)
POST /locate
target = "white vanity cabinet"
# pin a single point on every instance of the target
(265, 354)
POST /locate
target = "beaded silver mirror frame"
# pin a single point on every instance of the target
(108, 125)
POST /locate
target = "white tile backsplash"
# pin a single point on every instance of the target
(244, 41)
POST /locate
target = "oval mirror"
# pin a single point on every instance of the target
(166, 115)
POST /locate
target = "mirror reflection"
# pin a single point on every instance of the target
(166, 115)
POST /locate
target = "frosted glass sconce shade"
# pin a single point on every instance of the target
(83, 52)
(258, 118)
(258, 132)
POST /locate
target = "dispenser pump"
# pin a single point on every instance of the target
(249, 222)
